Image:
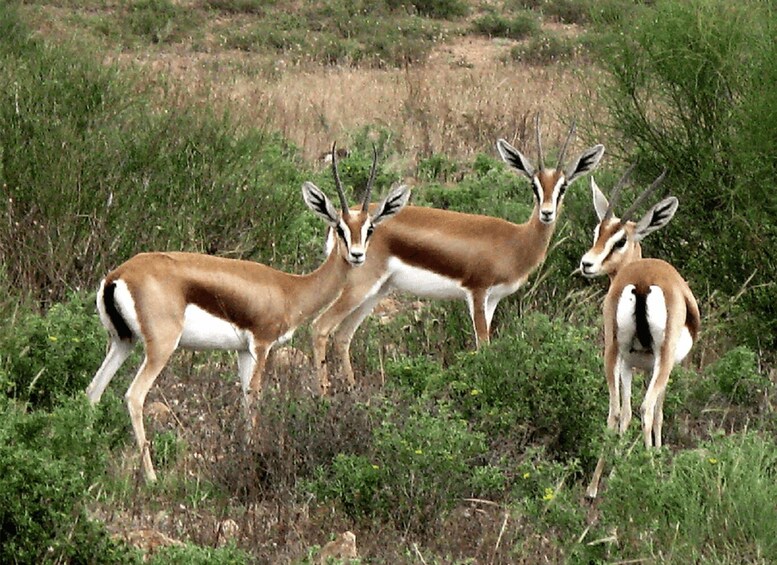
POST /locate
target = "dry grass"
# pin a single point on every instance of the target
(458, 103)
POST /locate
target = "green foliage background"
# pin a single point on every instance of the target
(93, 170)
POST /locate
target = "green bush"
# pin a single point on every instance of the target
(419, 465)
(46, 356)
(737, 377)
(190, 554)
(443, 9)
(704, 505)
(517, 27)
(541, 382)
(686, 92)
(95, 175)
(47, 463)
(158, 21)
(547, 49)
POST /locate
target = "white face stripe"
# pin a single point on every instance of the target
(597, 259)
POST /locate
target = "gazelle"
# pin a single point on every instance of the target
(186, 300)
(651, 318)
(450, 255)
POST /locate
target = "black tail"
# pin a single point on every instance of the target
(113, 313)
(640, 314)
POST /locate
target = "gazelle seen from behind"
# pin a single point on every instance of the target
(651, 318)
(450, 255)
(191, 301)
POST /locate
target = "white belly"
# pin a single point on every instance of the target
(422, 282)
(202, 330)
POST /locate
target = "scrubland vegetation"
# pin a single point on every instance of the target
(131, 126)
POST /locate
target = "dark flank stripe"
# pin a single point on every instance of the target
(640, 315)
(113, 313)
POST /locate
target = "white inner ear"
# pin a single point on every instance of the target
(600, 200)
(510, 154)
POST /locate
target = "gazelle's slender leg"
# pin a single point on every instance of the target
(350, 300)
(158, 352)
(476, 300)
(662, 368)
(612, 363)
(254, 392)
(491, 304)
(345, 331)
(118, 352)
(658, 422)
(626, 374)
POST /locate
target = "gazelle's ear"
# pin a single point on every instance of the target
(600, 200)
(319, 203)
(515, 158)
(657, 217)
(586, 162)
(392, 204)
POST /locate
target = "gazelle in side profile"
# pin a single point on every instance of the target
(651, 318)
(450, 255)
(191, 301)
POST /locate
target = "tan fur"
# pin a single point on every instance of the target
(260, 303)
(625, 268)
(477, 251)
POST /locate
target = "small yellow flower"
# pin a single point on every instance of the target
(419, 452)
(376, 467)
(549, 494)
(526, 475)
(712, 460)
(53, 338)
(474, 392)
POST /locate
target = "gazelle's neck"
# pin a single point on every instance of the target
(540, 235)
(320, 287)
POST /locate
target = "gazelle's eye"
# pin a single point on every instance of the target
(620, 243)
(370, 230)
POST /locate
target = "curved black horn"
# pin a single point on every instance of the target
(642, 197)
(367, 193)
(563, 151)
(615, 193)
(540, 158)
(338, 184)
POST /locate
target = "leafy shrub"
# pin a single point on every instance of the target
(516, 27)
(686, 92)
(443, 9)
(419, 464)
(437, 167)
(46, 356)
(47, 463)
(87, 161)
(704, 504)
(238, 6)
(737, 377)
(196, 555)
(492, 190)
(156, 20)
(547, 49)
(541, 382)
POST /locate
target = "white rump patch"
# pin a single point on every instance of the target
(124, 304)
(625, 318)
(656, 314)
(203, 330)
(684, 345)
(422, 282)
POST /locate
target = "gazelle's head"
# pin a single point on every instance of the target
(617, 240)
(350, 229)
(550, 184)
